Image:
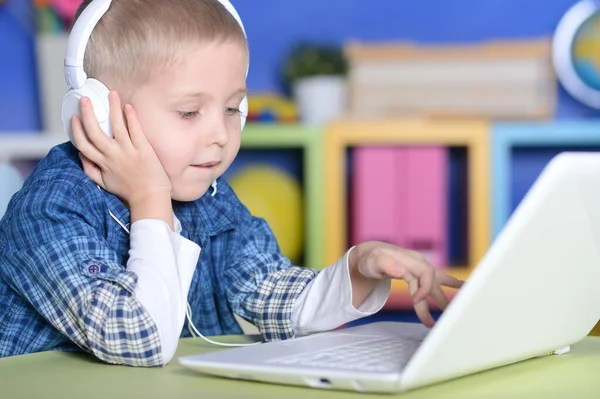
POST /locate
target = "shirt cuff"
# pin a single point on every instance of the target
(176, 225)
(376, 300)
(326, 303)
(164, 262)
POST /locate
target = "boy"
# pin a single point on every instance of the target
(110, 240)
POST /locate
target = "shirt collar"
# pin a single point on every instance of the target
(210, 214)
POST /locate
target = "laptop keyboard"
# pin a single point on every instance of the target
(374, 356)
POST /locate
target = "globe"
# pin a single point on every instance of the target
(586, 52)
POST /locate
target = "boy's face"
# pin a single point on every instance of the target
(189, 113)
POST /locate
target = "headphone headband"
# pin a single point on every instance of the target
(229, 7)
(82, 30)
(78, 39)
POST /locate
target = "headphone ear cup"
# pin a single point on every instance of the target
(70, 107)
(98, 95)
(243, 111)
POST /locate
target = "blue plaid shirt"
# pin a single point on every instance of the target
(64, 284)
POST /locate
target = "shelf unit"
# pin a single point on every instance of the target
(472, 134)
(506, 137)
(326, 204)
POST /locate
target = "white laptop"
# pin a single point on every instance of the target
(535, 293)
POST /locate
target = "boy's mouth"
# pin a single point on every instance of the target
(207, 164)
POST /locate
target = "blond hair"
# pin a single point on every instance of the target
(135, 38)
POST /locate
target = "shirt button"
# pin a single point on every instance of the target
(94, 269)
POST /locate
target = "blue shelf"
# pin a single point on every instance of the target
(538, 142)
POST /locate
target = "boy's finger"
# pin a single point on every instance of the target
(426, 282)
(135, 130)
(422, 310)
(82, 142)
(91, 127)
(447, 280)
(117, 120)
(421, 307)
(439, 297)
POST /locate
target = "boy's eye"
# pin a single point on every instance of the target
(188, 114)
(232, 111)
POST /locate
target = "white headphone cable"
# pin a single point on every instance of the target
(193, 331)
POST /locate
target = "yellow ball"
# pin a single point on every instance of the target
(276, 196)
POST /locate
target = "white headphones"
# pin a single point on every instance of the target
(96, 91)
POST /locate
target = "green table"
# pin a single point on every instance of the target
(69, 375)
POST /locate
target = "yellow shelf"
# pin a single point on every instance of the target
(473, 134)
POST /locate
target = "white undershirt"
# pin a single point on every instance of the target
(165, 262)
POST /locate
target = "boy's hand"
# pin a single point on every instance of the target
(127, 165)
(373, 261)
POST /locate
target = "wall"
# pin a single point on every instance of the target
(274, 25)
(18, 86)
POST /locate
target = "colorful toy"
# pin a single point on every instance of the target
(66, 9)
(48, 20)
(55, 15)
(276, 196)
(271, 108)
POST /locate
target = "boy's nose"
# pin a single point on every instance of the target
(219, 134)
